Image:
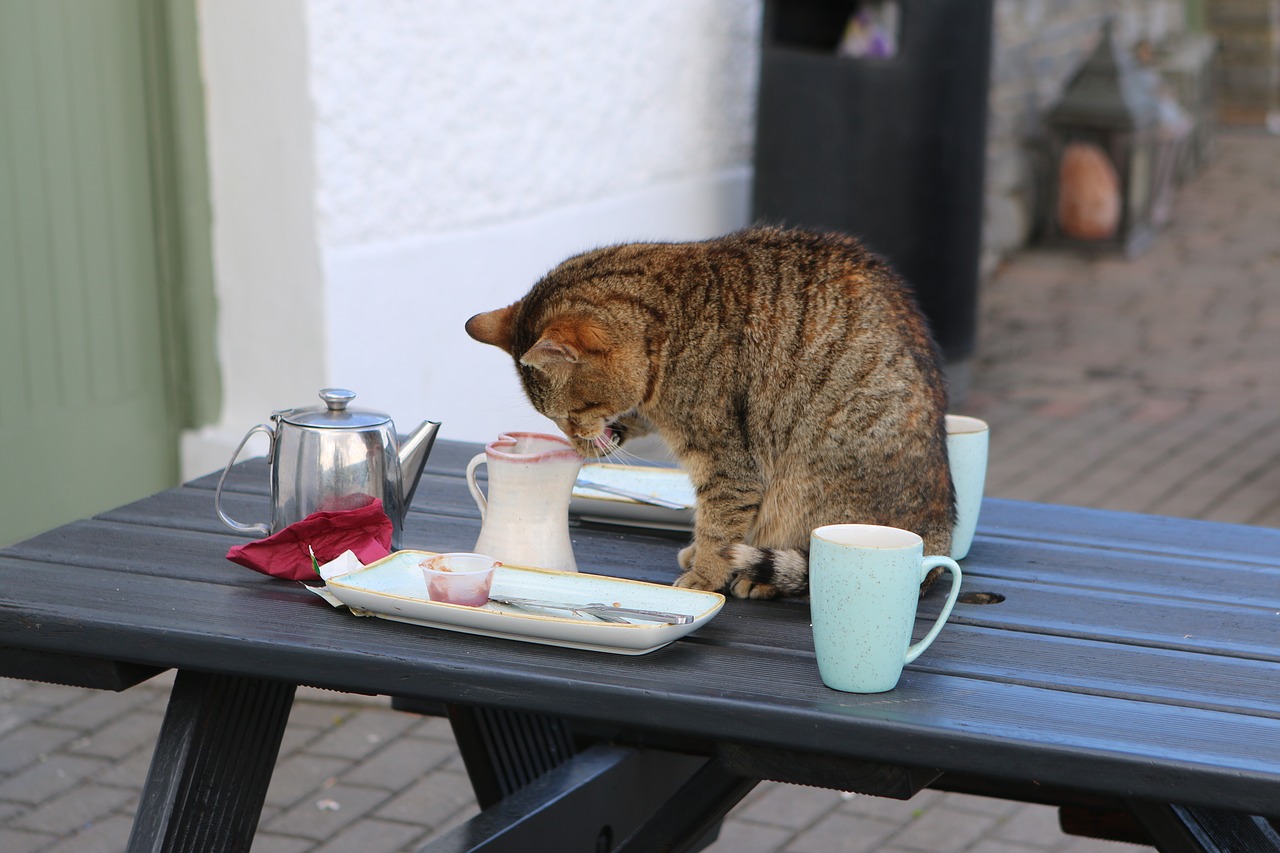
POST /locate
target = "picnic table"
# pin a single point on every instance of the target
(1130, 676)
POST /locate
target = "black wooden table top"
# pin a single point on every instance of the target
(1133, 656)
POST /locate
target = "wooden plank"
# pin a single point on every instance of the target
(1170, 623)
(1153, 534)
(1000, 518)
(1033, 609)
(1087, 565)
(742, 692)
(1102, 567)
(113, 549)
(74, 670)
(761, 637)
(640, 555)
(1125, 620)
(1138, 673)
(969, 649)
(118, 545)
(785, 765)
(1153, 547)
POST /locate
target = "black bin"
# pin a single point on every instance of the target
(888, 150)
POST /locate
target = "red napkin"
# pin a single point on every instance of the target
(366, 532)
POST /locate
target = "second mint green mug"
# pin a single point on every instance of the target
(967, 440)
(864, 583)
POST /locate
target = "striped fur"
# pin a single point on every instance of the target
(790, 372)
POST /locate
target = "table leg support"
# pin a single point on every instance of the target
(506, 750)
(212, 764)
(1189, 829)
(586, 802)
(694, 810)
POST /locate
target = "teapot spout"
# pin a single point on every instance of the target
(413, 459)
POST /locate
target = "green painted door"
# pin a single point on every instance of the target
(88, 411)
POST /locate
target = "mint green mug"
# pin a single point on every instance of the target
(864, 582)
(967, 440)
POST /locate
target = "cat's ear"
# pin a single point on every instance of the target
(494, 327)
(549, 354)
(565, 342)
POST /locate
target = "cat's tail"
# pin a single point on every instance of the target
(771, 572)
(768, 572)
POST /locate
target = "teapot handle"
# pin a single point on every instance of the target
(262, 529)
(476, 461)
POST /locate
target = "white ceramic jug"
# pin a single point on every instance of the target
(525, 517)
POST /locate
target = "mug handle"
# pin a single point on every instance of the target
(476, 461)
(953, 567)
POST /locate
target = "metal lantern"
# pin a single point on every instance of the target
(1106, 147)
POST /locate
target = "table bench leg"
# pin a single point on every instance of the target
(212, 764)
(656, 800)
(1188, 829)
(506, 750)
(695, 810)
(537, 790)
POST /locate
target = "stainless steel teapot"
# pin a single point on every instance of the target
(332, 457)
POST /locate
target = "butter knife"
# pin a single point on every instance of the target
(606, 612)
(639, 497)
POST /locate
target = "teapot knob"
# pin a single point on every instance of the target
(337, 398)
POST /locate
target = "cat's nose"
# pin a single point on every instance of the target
(594, 434)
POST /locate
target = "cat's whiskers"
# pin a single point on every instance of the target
(621, 456)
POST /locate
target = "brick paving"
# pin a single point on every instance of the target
(1149, 385)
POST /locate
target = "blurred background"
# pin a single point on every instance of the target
(211, 209)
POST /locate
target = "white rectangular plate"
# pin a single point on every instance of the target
(670, 484)
(393, 588)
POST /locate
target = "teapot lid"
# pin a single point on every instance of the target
(335, 414)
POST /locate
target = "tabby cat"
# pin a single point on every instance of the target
(790, 372)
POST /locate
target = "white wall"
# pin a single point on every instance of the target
(441, 156)
(445, 115)
(422, 290)
(267, 270)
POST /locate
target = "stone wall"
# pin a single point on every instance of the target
(1248, 62)
(1038, 46)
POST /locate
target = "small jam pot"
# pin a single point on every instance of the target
(459, 578)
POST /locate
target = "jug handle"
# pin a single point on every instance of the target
(217, 495)
(476, 461)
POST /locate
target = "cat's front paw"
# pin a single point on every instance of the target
(686, 555)
(695, 580)
(704, 568)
